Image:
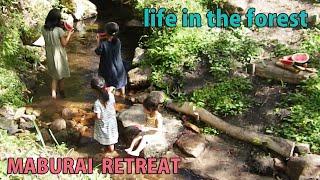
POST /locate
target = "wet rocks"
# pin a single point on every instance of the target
(138, 56)
(192, 144)
(139, 77)
(67, 113)
(135, 116)
(304, 167)
(58, 125)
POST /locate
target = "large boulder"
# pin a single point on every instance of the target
(304, 167)
(34, 14)
(81, 9)
(192, 144)
(135, 116)
(139, 77)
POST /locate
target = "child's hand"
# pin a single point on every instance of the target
(98, 38)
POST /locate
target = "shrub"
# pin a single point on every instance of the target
(225, 98)
(226, 50)
(303, 125)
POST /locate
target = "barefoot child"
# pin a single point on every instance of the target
(111, 66)
(151, 131)
(105, 127)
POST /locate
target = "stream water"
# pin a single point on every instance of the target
(83, 65)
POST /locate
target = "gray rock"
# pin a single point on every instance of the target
(192, 144)
(139, 77)
(158, 96)
(304, 167)
(135, 116)
(67, 114)
(58, 125)
(19, 113)
(84, 9)
(302, 148)
(9, 125)
(7, 112)
(138, 56)
(29, 117)
(27, 125)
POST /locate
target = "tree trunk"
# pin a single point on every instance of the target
(282, 146)
(285, 73)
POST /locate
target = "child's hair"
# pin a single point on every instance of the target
(53, 19)
(112, 29)
(150, 104)
(98, 84)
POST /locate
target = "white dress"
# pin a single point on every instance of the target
(106, 128)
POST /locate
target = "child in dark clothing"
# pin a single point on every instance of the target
(111, 66)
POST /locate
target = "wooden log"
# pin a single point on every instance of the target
(281, 146)
(269, 69)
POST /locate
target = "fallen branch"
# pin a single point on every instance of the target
(282, 146)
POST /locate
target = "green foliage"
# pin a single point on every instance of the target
(225, 98)
(228, 49)
(14, 57)
(26, 146)
(303, 125)
(171, 53)
(11, 88)
(210, 130)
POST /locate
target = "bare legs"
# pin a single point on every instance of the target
(123, 92)
(57, 84)
(110, 148)
(140, 147)
(133, 143)
(54, 89)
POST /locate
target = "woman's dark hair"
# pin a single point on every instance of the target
(112, 29)
(150, 104)
(53, 19)
(99, 84)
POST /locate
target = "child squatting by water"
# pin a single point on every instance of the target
(152, 129)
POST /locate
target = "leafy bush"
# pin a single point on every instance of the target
(26, 146)
(11, 88)
(14, 57)
(225, 98)
(303, 125)
(229, 48)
